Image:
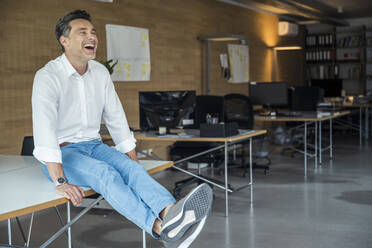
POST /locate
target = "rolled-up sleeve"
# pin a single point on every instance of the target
(116, 121)
(44, 118)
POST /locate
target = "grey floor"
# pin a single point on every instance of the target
(332, 207)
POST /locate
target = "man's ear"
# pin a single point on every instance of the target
(64, 41)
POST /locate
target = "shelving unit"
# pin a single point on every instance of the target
(350, 56)
(341, 54)
(368, 56)
(320, 55)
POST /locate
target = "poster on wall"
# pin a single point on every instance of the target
(239, 63)
(130, 47)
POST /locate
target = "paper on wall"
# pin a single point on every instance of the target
(239, 63)
(129, 46)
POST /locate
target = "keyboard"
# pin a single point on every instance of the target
(288, 114)
(284, 114)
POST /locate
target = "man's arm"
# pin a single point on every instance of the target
(71, 192)
(44, 117)
(116, 122)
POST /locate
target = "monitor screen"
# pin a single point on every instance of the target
(332, 87)
(273, 94)
(305, 98)
(166, 109)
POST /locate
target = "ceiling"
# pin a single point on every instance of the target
(333, 12)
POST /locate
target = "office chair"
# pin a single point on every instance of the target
(238, 108)
(205, 104)
(27, 149)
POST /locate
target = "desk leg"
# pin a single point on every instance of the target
(316, 145)
(68, 221)
(305, 149)
(360, 126)
(320, 143)
(9, 232)
(63, 229)
(366, 123)
(330, 140)
(143, 239)
(226, 183)
(30, 229)
(251, 169)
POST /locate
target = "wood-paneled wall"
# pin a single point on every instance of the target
(27, 42)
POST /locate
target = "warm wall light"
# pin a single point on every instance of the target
(286, 48)
(228, 37)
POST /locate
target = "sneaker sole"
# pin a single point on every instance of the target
(187, 242)
(199, 200)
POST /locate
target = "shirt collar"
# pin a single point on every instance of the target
(69, 69)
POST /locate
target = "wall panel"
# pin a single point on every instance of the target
(27, 42)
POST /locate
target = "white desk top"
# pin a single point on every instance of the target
(300, 118)
(241, 136)
(25, 189)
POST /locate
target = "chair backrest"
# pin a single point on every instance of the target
(238, 108)
(207, 104)
(27, 146)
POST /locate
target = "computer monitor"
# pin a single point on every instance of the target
(166, 109)
(332, 87)
(305, 98)
(269, 94)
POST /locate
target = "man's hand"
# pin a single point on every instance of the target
(133, 155)
(72, 192)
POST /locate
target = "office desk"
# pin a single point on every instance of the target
(243, 135)
(308, 119)
(24, 189)
(363, 110)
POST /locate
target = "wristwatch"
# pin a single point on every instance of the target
(60, 181)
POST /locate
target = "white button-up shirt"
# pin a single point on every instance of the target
(69, 107)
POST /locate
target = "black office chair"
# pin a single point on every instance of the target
(205, 104)
(238, 109)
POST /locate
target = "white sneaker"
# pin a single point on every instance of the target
(186, 212)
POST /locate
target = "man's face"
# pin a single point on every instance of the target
(81, 44)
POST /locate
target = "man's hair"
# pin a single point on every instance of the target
(63, 25)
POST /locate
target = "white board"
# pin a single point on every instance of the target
(129, 46)
(239, 63)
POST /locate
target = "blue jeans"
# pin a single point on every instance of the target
(123, 182)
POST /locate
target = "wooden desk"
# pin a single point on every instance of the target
(25, 189)
(243, 135)
(239, 137)
(308, 120)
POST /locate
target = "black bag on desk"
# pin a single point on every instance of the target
(219, 130)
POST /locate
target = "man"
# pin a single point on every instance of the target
(70, 96)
